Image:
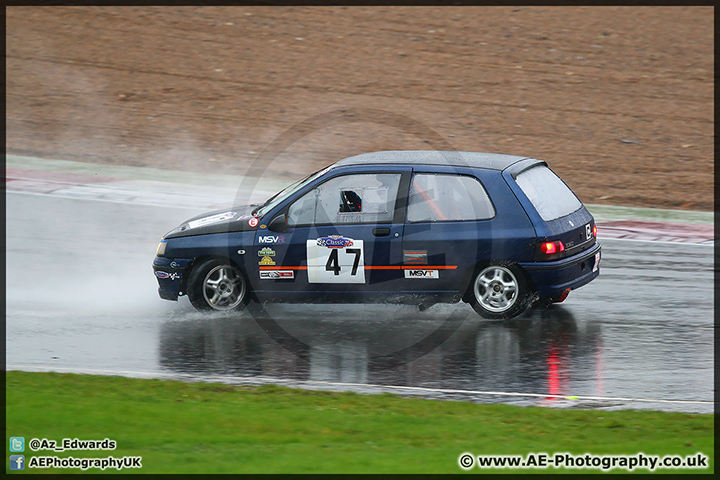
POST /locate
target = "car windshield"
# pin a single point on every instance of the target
(276, 199)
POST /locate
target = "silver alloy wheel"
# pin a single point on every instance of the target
(223, 287)
(496, 289)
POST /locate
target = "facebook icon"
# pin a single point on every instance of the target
(17, 462)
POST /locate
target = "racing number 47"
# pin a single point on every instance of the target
(333, 264)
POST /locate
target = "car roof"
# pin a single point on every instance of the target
(493, 161)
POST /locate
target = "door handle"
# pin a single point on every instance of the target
(381, 232)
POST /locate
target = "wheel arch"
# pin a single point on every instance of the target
(199, 260)
(467, 278)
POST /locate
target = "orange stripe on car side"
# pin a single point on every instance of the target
(377, 267)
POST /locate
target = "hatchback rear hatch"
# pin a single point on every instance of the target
(562, 224)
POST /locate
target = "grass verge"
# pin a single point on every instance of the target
(214, 428)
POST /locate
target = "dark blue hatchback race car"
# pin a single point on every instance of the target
(497, 231)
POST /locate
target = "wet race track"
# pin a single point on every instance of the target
(81, 297)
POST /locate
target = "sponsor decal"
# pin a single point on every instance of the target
(266, 251)
(174, 264)
(168, 275)
(211, 219)
(417, 273)
(271, 239)
(334, 241)
(253, 222)
(415, 257)
(263, 226)
(276, 274)
(266, 261)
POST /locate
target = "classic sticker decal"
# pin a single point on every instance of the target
(428, 274)
(335, 241)
(335, 259)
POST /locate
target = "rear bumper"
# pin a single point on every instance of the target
(551, 279)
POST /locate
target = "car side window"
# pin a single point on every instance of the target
(445, 197)
(360, 198)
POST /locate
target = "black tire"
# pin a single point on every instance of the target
(499, 292)
(217, 285)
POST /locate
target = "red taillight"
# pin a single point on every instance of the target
(594, 230)
(552, 247)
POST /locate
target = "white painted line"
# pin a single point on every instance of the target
(196, 199)
(268, 380)
(107, 200)
(710, 243)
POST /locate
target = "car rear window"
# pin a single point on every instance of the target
(549, 195)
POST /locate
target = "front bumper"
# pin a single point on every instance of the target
(169, 273)
(551, 279)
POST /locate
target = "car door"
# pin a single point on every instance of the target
(449, 226)
(343, 242)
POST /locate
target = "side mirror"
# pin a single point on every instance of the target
(278, 224)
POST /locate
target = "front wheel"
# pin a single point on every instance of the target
(217, 285)
(500, 292)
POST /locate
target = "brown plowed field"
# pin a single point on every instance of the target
(618, 100)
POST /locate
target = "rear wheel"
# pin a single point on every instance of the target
(500, 291)
(217, 285)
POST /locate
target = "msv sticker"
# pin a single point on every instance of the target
(335, 241)
(211, 219)
(431, 274)
(271, 239)
(335, 259)
(276, 274)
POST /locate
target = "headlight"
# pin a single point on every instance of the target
(161, 248)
